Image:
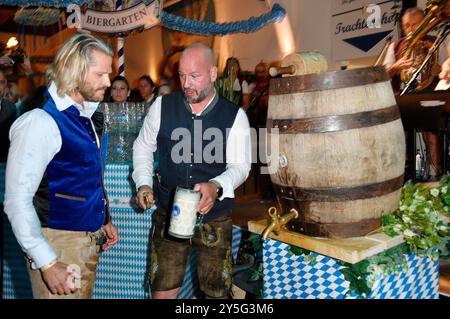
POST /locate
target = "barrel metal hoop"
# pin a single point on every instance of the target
(328, 81)
(335, 230)
(339, 194)
(335, 123)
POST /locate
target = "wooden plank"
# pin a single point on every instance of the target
(351, 250)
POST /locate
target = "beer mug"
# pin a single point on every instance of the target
(184, 213)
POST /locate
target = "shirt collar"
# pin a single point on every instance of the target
(64, 102)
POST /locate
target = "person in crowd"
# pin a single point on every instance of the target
(135, 96)
(232, 85)
(120, 89)
(37, 100)
(6, 61)
(55, 197)
(256, 105)
(394, 60)
(395, 63)
(13, 94)
(146, 89)
(197, 107)
(7, 117)
(164, 86)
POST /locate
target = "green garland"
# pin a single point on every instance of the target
(307, 254)
(422, 218)
(363, 275)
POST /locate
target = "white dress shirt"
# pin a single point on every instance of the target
(238, 151)
(35, 140)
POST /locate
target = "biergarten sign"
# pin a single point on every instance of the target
(116, 22)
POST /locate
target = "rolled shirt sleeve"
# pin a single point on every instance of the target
(238, 158)
(145, 145)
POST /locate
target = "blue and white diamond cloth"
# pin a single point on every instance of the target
(236, 241)
(122, 270)
(288, 276)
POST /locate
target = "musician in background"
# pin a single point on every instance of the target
(395, 63)
(445, 73)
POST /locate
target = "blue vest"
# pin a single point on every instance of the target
(74, 198)
(190, 165)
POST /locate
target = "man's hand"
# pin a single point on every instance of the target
(445, 73)
(208, 197)
(400, 65)
(58, 279)
(144, 198)
(112, 236)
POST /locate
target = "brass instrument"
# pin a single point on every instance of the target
(438, 13)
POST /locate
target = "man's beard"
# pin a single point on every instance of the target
(89, 93)
(203, 94)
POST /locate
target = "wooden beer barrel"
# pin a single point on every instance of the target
(341, 151)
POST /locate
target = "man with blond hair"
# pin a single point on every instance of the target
(55, 197)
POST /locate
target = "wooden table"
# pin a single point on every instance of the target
(351, 250)
(318, 274)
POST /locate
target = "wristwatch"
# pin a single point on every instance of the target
(219, 188)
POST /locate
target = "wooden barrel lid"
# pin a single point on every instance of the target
(328, 80)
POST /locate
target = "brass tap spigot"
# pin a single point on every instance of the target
(275, 222)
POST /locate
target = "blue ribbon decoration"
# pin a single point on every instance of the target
(54, 3)
(178, 23)
(253, 24)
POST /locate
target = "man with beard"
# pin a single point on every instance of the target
(214, 160)
(55, 197)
